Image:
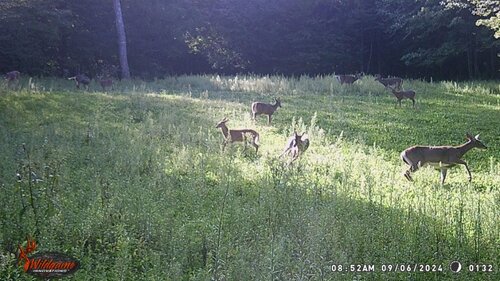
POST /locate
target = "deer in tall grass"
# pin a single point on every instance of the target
(241, 135)
(106, 83)
(348, 79)
(394, 81)
(401, 95)
(259, 108)
(12, 77)
(439, 157)
(296, 145)
(81, 79)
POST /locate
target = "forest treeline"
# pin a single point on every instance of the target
(418, 38)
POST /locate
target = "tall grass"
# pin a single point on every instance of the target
(135, 186)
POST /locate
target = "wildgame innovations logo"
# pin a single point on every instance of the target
(46, 264)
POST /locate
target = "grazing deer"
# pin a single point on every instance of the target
(12, 77)
(401, 95)
(440, 157)
(348, 79)
(81, 79)
(231, 136)
(394, 81)
(296, 145)
(106, 83)
(265, 108)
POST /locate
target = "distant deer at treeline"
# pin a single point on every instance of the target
(106, 83)
(395, 82)
(81, 79)
(348, 79)
(12, 77)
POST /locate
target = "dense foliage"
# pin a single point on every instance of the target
(422, 38)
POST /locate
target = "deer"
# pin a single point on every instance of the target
(12, 77)
(394, 81)
(106, 83)
(259, 108)
(81, 79)
(348, 79)
(296, 145)
(241, 135)
(401, 95)
(440, 157)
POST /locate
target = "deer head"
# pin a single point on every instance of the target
(222, 123)
(277, 102)
(475, 141)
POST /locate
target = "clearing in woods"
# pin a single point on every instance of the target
(133, 183)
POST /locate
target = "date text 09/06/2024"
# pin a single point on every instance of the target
(386, 268)
(454, 267)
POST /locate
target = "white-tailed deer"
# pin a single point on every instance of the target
(440, 157)
(106, 83)
(401, 95)
(265, 108)
(241, 135)
(394, 81)
(296, 145)
(81, 79)
(12, 77)
(348, 79)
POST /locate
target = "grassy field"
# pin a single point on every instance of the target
(135, 186)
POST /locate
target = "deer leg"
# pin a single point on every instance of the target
(412, 169)
(443, 175)
(253, 115)
(256, 147)
(284, 152)
(413, 100)
(466, 167)
(224, 145)
(407, 175)
(269, 119)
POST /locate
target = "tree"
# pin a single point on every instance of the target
(490, 9)
(122, 40)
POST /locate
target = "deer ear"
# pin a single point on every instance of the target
(477, 137)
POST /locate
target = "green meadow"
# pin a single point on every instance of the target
(133, 182)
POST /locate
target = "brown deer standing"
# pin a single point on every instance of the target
(106, 83)
(265, 108)
(440, 157)
(296, 145)
(241, 135)
(12, 77)
(348, 79)
(401, 95)
(394, 81)
(81, 79)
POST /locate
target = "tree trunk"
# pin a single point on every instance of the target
(122, 40)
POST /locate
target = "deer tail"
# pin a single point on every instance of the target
(256, 138)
